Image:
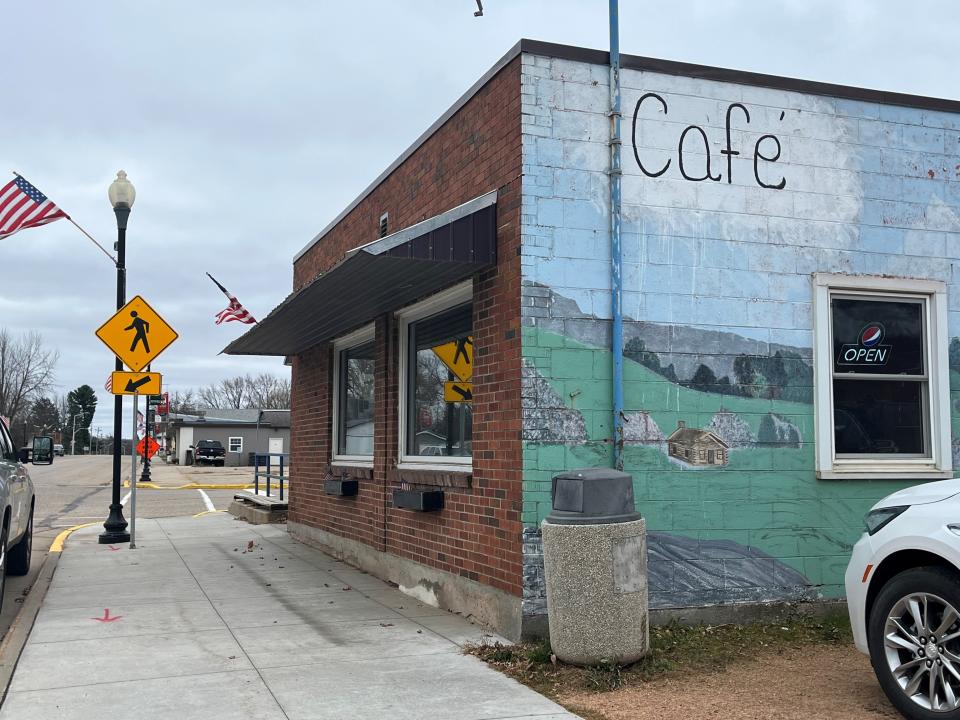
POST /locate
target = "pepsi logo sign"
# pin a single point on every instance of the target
(871, 335)
(868, 351)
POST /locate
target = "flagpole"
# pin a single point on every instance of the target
(112, 258)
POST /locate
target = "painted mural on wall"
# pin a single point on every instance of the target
(733, 197)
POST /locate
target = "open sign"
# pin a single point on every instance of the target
(869, 350)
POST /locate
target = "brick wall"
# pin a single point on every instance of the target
(478, 535)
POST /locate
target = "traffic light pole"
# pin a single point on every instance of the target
(115, 527)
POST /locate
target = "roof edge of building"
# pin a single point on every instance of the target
(640, 62)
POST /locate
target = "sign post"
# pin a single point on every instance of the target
(133, 474)
(136, 334)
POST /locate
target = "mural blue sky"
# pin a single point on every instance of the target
(246, 127)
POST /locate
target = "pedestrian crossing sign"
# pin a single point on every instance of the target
(136, 334)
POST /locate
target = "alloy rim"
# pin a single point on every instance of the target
(922, 648)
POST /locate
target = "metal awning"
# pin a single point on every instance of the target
(379, 277)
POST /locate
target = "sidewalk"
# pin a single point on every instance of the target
(209, 629)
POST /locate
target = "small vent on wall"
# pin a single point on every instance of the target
(384, 219)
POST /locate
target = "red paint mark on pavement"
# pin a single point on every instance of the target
(106, 616)
(112, 548)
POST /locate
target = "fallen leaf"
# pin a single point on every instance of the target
(553, 659)
(386, 624)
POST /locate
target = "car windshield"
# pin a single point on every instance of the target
(209, 444)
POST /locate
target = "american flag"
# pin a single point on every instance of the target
(22, 206)
(234, 311)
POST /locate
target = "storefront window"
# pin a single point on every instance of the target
(880, 385)
(439, 390)
(881, 377)
(355, 397)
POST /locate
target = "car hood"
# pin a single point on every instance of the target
(922, 494)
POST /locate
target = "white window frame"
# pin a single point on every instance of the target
(457, 295)
(358, 337)
(940, 464)
(230, 444)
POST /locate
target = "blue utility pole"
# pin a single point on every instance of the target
(616, 251)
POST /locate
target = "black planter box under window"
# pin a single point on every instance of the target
(341, 486)
(419, 500)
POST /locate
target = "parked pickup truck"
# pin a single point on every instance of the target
(17, 500)
(209, 451)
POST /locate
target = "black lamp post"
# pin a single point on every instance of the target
(147, 434)
(121, 194)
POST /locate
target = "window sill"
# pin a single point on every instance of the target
(345, 463)
(456, 468)
(884, 473)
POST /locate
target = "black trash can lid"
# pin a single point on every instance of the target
(592, 496)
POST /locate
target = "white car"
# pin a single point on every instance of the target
(903, 594)
(17, 501)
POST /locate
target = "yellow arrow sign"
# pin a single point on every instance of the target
(136, 334)
(129, 383)
(458, 392)
(458, 357)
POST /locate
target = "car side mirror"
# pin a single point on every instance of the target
(43, 450)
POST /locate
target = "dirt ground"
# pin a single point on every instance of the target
(813, 683)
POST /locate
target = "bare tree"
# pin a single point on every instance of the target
(228, 393)
(26, 371)
(184, 403)
(267, 392)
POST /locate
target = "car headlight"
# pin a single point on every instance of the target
(879, 518)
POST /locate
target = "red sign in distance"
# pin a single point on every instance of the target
(150, 445)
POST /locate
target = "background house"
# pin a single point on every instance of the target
(241, 432)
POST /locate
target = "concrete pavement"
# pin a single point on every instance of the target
(216, 619)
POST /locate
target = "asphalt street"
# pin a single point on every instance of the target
(76, 490)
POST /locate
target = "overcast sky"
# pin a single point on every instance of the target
(247, 126)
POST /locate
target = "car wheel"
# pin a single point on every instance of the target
(914, 638)
(18, 562)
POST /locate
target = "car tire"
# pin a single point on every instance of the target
(3, 560)
(219, 463)
(18, 557)
(905, 650)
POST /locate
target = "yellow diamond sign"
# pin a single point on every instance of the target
(136, 334)
(457, 355)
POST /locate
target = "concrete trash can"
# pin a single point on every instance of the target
(595, 567)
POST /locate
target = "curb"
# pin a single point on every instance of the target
(57, 545)
(16, 637)
(189, 486)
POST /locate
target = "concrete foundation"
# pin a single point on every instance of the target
(257, 514)
(596, 579)
(498, 610)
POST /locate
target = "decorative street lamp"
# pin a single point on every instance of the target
(121, 194)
